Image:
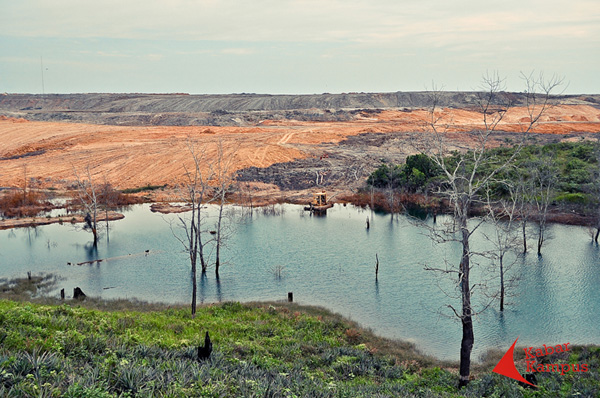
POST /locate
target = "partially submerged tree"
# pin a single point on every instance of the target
(543, 179)
(198, 193)
(87, 198)
(521, 191)
(502, 216)
(466, 176)
(208, 181)
(594, 227)
(223, 178)
(109, 198)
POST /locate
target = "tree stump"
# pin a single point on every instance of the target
(204, 351)
(78, 294)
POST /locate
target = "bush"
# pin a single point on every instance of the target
(577, 197)
(413, 176)
(16, 203)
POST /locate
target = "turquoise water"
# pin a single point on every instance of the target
(330, 261)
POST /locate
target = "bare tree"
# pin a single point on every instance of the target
(88, 200)
(595, 191)
(245, 198)
(208, 181)
(543, 181)
(466, 177)
(197, 194)
(24, 184)
(523, 200)
(502, 215)
(224, 187)
(109, 196)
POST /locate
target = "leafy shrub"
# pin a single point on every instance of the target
(576, 197)
(413, 176)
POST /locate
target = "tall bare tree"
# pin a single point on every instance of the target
(209, 181)
(502, 216)
(108, 196)
(88, 200)
(466, 177)
(224, 186)
(197, 194)
(543, 179)
(595, 187)
(523, 201)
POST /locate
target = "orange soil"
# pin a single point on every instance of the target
(131, 157)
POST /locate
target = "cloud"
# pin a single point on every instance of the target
(444, 37)
(238, 51)
(382, 22)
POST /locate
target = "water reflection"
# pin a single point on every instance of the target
(91, 251)
(202, 288)
(329, 262)
(219, 292)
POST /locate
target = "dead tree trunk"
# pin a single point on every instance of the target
(540, 242)
(218, 239)
(466, 345)
(524, 224)
(88, 199)
(501, 282)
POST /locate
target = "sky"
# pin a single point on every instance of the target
(294, 46)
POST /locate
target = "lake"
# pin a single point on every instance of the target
(330, 261)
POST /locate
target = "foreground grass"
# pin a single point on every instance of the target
(260, 349)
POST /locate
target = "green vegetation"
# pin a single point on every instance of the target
(144, 188)
(573, 163)
(416, 174)
(260, 349)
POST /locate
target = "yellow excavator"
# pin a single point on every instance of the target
(319, 202)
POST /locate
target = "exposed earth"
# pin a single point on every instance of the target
(282, 146)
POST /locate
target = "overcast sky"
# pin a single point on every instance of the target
(293, 46)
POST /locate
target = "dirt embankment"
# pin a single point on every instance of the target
(235, 109)
(331, 147)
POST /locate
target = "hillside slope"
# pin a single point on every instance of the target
(231, 109)
(290, 144)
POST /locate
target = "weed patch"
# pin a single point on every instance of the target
(260, 349)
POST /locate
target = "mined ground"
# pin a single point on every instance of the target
(279, 153)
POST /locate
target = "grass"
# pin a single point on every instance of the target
(76, 349)
(143, 189)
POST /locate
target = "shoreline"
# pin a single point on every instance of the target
(71, 219)
(127, 305)
(162, 204)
